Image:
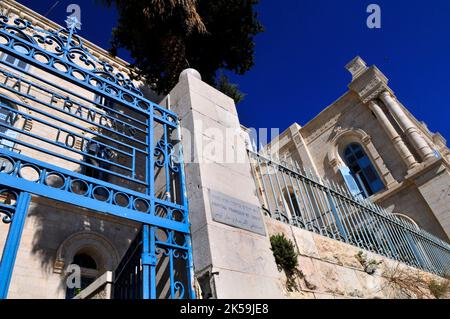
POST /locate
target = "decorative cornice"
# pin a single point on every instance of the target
(374, 92)
(356, 67)
(369, 84)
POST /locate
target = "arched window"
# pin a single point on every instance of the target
(89, 272)
(407, 220)
(91, 251)
(84, 261)
(362, 170)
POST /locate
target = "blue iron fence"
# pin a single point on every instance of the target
(294, 196)
(13, 206)
(74, 129)
(128, 274)
(170, 261)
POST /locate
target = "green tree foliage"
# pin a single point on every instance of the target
(232, 90)
(167, 36)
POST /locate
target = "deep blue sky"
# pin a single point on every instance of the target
(300, 58)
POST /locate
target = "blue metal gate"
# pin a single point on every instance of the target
(128, 283)
(74, 129)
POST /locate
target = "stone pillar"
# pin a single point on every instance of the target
(399, 144)
(434, 186)
(231, 257)
(407, 125)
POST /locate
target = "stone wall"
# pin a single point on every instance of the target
(436, 192)
(333, 270)
(46, 246)
(410, 201)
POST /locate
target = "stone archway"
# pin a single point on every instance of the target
(101, 250)
(356, 135)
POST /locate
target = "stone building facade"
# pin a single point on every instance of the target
(403, 166)
(410, 165)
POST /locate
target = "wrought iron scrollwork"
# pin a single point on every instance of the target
(163, 151)
(179, 290)
(66, 44)
(7, 215)
(174, 163)
(160, 153)
(8, 201)
(172, 250)
(64, 51)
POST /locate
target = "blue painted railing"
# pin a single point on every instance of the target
(164, 255)
(13, 207)
(294, 196)
(128, 274)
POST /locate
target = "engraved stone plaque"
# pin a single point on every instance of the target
(237, 213)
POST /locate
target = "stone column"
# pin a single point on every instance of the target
(399, 144)
(232, 255)
(407, 125)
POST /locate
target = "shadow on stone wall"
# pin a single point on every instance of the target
(52, 223)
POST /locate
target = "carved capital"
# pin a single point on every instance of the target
(386, 94)
(370, 84)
